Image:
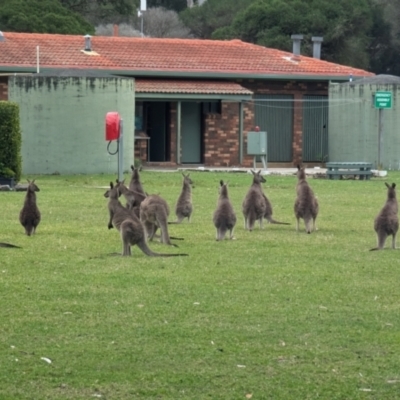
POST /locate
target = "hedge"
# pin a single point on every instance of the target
(10, 141)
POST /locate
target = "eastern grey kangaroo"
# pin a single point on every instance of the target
(154, 212)
(136, 187)
(253, 206)
(387, 222)
(131, 229)
(224, 217)
(184, 206)
(29, 215)
(306, 205)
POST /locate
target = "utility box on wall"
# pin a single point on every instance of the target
(257, 146)
(257, 143)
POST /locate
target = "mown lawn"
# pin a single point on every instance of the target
(274, 314)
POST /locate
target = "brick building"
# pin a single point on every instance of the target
(196, 100)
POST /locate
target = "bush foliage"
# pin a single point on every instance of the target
(10, 140)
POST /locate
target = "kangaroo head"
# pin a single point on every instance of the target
(391, 190)
(32, 187)
(186, 179)
(301, 172)
(257, 177)
(223, 190)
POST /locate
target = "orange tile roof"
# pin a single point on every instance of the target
(140, 56)
(189, 87)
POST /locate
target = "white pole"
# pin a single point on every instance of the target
(121, 152)
(37, 59)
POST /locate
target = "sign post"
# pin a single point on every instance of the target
(383, 100)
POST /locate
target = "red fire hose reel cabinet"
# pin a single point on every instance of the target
(113, 126)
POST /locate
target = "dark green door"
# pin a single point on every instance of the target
(315, 128)
(274, 114)
(191, 133)
(157, 130)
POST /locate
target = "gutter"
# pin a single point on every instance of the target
(180, 74)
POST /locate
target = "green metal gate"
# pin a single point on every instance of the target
(274, 114)
(315, 128)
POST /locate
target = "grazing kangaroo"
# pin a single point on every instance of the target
(136, 186)
(29, 215)
(131, 229)
(253, 206)
(184, 206)
(224, 217)
(306, 205)
(268, 213)
(154, 212)
(387, 222)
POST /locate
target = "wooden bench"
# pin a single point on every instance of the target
(336, 170)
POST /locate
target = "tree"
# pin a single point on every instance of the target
(213, 14)
(103, 11)
(345, 26)
(157, 22)
(41, 16)
(174, 5)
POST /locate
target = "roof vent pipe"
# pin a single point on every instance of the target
(88, 44)
(317, 40)
(1, 37)
(296, 44)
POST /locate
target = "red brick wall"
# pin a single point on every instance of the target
(297, 90)
(3, 88)
(221, 131)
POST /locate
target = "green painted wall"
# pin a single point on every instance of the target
(63, 122)
(354, 125)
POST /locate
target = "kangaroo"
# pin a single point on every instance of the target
(268, 213)
(29, 215)
(127, 193)
(8, 245)
(224, 217)
(184, 206)
(136, 186)
(154, 212)
(131, 229)
(306, 205)
(254, 206)
(387, 222)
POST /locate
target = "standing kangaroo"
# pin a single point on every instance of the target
(254, 206)
(184, 206)
(306, 205)
(154, 212)
(387, 222)
(131, 229)
(29, 215)
(224, 217)
(136, 187)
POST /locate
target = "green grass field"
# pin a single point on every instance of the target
(274, 314)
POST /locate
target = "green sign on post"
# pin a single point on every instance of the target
(383, 100)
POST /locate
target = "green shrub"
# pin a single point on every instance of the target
(10, 140)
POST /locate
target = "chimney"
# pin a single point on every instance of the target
(317, 40)
(296, 44)
(116, 30)
(88, 44)
(2, 39)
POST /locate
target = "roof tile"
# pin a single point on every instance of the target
(234, 57)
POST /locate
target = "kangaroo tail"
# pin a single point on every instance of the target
(146, 250)
(8, 245)
(273, 221)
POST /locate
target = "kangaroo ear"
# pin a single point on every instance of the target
(387, 185)
(111, 185)
(221, 182)
(132, 168)
(298, 167)
(393, 185)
